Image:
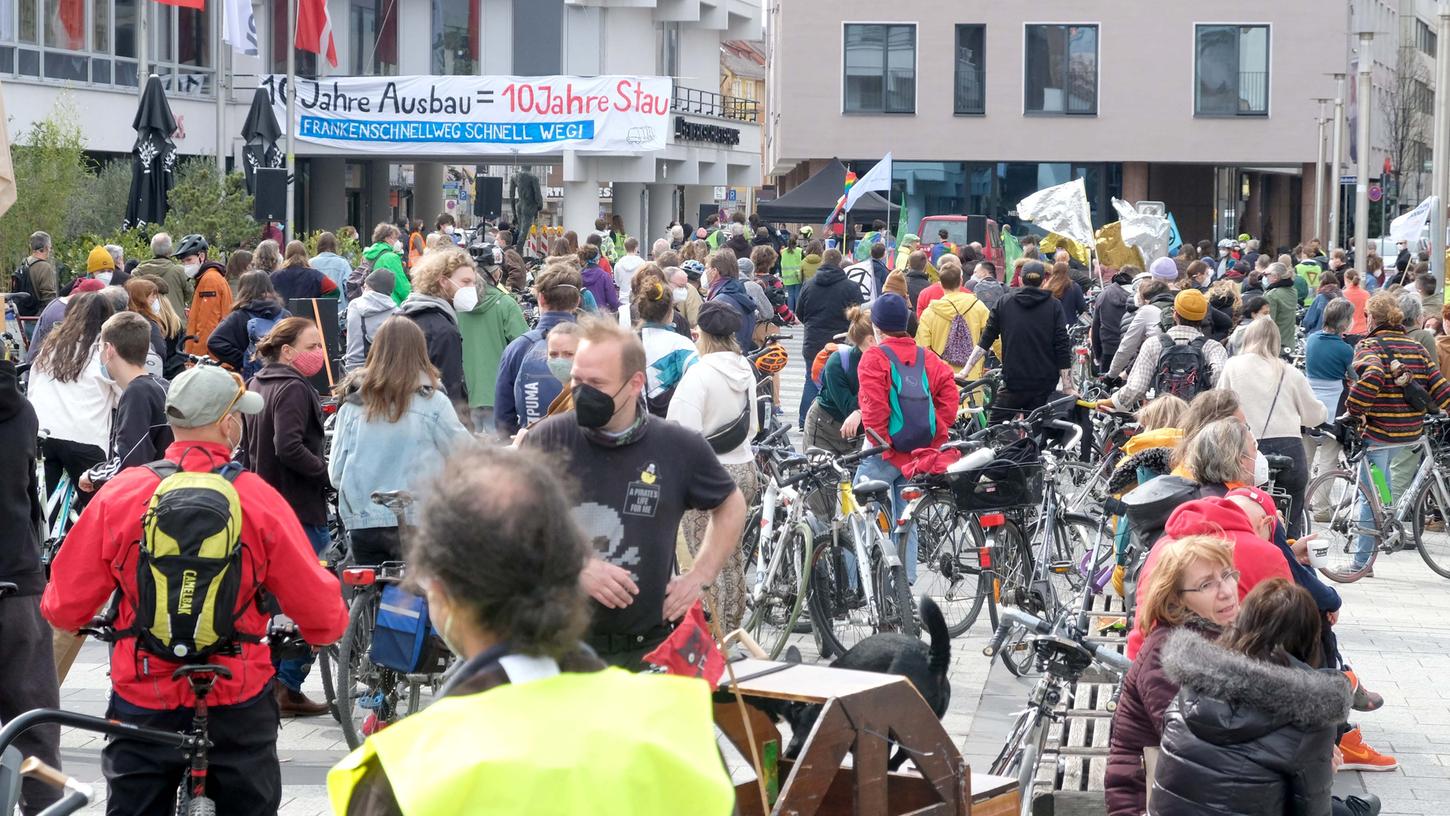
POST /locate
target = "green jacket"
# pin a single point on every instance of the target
(383, 256)
(1284, 309)
(809, 265)
(790, 266)
(487, 330)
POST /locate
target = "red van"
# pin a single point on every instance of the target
(963, 230)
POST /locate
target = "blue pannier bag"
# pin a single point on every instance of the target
(404, 639)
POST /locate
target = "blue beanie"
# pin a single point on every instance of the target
(889, 313)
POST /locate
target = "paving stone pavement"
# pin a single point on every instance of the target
(1395, 629)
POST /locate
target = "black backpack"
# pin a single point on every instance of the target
(1182, 369)
(21, 284)
(353, 285)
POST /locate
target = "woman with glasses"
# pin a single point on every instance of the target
(1195, 587)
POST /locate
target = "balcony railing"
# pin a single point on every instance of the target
(709, 103)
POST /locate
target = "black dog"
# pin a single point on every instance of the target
(887, 653)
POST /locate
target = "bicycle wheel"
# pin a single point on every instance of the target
(893, 598)
(1431, 521)
(326, 660)
(772, 616)
(839, 617)
(1014, 566)
(367, 694)
(1336, 499)
(1009, 758)
(949, 547)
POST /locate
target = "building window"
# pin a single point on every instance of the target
(455, 36)
(971, 95)
(1062, 69)
(372, 30)
(880, 68)
(1423, 99)
(1425, 37)
(1231, 70)
(668, 35)
(538, 44)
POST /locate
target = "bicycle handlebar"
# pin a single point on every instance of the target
(1037, 626)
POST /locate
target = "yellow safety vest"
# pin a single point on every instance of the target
(606, 742)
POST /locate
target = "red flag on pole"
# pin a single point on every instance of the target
(690, 651)
(314, 29)
(199, 5)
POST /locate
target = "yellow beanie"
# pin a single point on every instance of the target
(1191, 305)
(99, 259)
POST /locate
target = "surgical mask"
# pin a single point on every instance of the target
(1261, 469)
(448, 229)
(309, 363)
(105, 369)
(679, 295)
(105, 277)
(465, 299)
(592, 407)
(226, 436)
(561, 368)
(398, 246)
(191, 269)
(156, 305)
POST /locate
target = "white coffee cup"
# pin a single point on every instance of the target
(1318, 552)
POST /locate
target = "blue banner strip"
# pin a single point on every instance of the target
(364, 130)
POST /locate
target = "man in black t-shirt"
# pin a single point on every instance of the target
(139, 431)
(636, 475)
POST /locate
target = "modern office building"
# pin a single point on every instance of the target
(87, 50)
(1206, 108)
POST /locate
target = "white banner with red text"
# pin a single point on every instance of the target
(449, 115)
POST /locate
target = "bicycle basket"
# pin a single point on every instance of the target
(999, 485)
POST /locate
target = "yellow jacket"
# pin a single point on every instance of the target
(606, 742)
(936, 323)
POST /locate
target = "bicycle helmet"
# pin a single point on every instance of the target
(486, 254)
(693, 266)
(192, 245)
(772, 359)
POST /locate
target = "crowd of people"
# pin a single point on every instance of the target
(577, 427)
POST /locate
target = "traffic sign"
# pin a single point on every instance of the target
(1376, 193)
(730, 194)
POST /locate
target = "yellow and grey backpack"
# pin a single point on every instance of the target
(189, 569)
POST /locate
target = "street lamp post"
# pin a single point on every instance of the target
(1361, 181)
(1319, 165)
(1440, 150)
(1336, 162)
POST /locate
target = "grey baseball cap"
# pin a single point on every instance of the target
(204, 394)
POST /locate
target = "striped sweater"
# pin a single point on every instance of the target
(1374, 394)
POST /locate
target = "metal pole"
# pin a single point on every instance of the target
(217, 86)
(1319, 165)
(291, 116)
(143, 12)
(1440, 150)
(1361, 181)
(1336, 163)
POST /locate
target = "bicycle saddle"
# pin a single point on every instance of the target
(869, 489)
(1279, 463)
(7, 588)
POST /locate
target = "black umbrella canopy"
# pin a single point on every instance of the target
(261, 132)
(814, 200)
(153, 157)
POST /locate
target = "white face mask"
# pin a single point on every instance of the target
(104, 277)
(156, 305)
(679, 295)
(465, 299)
(398, 246)
(191, 269)
(1261, 469)
(448, 229)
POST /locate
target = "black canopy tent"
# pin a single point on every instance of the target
(813, 201)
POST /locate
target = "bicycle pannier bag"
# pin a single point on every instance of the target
(404, 638)
(913, 414)
(189, 569)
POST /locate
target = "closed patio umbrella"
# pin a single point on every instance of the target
(153, 158)
(261, 132)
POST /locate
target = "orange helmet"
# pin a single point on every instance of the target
(773, 359)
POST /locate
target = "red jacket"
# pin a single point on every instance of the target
(100, 553)
(874, 374)
(1256, 559)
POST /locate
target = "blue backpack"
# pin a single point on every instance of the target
(257, 328)
(535, 387)
(913, 414)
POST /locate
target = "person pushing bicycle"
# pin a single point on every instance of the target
(189, 574)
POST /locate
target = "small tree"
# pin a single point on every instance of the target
(1405, 106)
(50, 166)
(99, 203)
(204, 202)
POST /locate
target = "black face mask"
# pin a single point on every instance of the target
(592, 407)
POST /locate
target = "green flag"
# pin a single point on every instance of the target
(1011, 251)
(901, 226)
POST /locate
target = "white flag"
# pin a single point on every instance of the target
(1062, 209)
(1410, 226)
(877, 178)
(240, 27)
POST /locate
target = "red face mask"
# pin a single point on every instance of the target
(310, 362)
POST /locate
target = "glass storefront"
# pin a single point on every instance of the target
(993, 189)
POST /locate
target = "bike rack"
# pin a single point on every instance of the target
(860, 712)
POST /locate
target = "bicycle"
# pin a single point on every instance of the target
(858, 584)
(59, 504)
(370, 696)
(1348, 508)
(780, 545)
